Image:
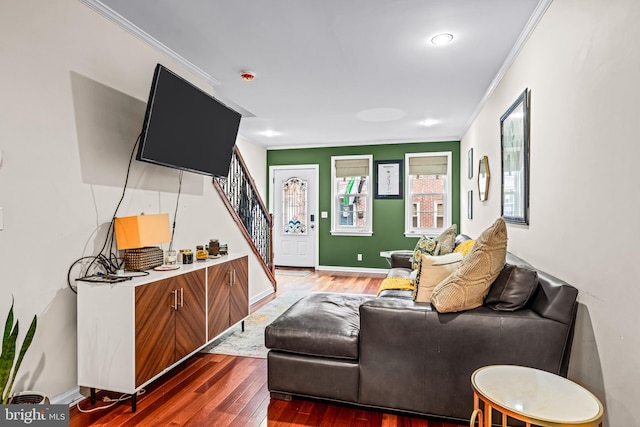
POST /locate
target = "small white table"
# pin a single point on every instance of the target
(533, 396)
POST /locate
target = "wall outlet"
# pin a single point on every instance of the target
(359, 257)
(324, 214)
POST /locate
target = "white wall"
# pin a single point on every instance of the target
(582, 64)
(73, 87)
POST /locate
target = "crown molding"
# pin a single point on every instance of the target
(531, 24)
(129, 26)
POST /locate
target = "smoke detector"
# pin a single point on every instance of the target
(247, 75)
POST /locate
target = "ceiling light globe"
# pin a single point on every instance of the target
(441, 39)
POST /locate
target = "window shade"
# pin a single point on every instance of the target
(352, 167)
(431, 165)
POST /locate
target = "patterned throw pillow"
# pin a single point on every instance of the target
(464, 247)
(446, 241)
(466, 288)
(433, 270)
(425, 246)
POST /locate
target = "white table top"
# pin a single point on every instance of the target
(536, 394)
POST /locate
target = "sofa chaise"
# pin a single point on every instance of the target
(392, 353)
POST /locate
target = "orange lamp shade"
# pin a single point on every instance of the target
(138, 231)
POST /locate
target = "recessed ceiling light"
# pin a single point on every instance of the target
(429, 122)
(440, 39)
(269, 133)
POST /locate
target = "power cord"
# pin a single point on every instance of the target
(106, 259)
(112, 403)
(175, 215)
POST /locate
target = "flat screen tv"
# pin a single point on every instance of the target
(185, 128)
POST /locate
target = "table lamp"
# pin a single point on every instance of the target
(137, 235)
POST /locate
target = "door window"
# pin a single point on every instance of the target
(294, 209)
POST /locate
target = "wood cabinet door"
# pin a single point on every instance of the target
(239, 292)
(191, 316)
(218, 293)
(155, 329)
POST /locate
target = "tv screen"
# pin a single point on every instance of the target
(185, 128)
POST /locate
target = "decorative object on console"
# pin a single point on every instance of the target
(201, 254)
(137, 234)
(214, 247)
(223, 249)
(466, 288)
(483, 178)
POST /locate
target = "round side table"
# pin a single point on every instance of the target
(536, 397)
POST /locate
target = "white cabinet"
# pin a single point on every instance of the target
(132, 332)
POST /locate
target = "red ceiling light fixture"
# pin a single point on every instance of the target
(247, 76)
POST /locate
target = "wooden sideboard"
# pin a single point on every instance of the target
(132, 332)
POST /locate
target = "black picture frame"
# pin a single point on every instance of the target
(388, 179)
(514, 148)
(470, 204)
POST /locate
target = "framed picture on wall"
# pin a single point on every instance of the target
(514, 136)
(470, 163)
(388, 182)
(470, 204)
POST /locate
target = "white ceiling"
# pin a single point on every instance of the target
(342, 72)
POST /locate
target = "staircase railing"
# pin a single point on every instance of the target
(240, 194)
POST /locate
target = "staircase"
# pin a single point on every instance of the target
(240, 195)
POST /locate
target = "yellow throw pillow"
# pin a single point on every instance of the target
(464, 247)
(466, 287)
(433, 270)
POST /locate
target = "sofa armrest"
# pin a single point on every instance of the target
(401, 259)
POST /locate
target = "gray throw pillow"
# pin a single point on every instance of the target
(512, 289)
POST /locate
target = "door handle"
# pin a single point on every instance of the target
(181, 297)
(175, 300)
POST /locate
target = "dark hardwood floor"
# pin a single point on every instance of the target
(220, 390)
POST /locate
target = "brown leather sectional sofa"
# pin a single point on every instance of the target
(395, 354)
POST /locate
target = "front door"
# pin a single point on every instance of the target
(294, 207)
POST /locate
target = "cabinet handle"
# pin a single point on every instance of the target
(233, 277)
(181, 297)
(175, 300)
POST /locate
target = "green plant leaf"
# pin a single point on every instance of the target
(23, 349)
(8, 354)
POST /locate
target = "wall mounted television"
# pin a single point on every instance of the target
(185, 128)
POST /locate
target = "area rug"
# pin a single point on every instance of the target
(250, 343)
(298, 273)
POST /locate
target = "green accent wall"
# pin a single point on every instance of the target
(388, 214)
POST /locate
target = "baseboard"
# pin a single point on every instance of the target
(353, 269)
(254, 299)
(70, 397)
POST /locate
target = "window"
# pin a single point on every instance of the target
(351, 195)
(428, 193)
